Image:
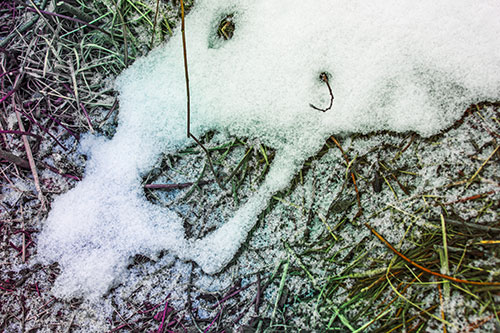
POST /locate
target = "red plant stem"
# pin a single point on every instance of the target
(87, 116)
(54, 170)
(479, 323)
(16, 85)
(44, 130)
(10, 290)
(9, 72)
(239, 290)
(113, 108)
(18, 249)
(24, 242)
(60, 124)
(149, 310)
(21, 133)
(160, 329)
(170, 324)
(474, 197)
(213, 321)
(118, 327)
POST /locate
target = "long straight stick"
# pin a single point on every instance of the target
(188, 96)
(186, 74)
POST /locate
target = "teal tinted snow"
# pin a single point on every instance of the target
(397, 65)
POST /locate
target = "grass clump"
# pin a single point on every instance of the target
(433, 210)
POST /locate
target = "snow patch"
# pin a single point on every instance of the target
(397, 65)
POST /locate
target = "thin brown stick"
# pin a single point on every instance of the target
(24, 237)
(186, 73)
(154, 24)
(188, 97)
(31, 160)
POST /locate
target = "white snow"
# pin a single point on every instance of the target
(397, 65)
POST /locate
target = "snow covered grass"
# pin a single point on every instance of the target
(309, 262)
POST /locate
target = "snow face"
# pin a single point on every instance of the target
(396, 65)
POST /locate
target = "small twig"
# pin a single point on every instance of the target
(324, 77)
(472, 197)
(15, 86)
(60, 124)
(23, 257)
(188, 98)
(113, 108)
(186, 73)
(213, 321)
(38, 137)
(31, 160)
(68, 329)
(233, 293)
(154, 24)
(257, 296)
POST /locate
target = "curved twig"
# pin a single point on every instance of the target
(324, 77)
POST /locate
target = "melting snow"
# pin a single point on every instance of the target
(397, 65)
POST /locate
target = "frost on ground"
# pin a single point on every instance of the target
(399, 65)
